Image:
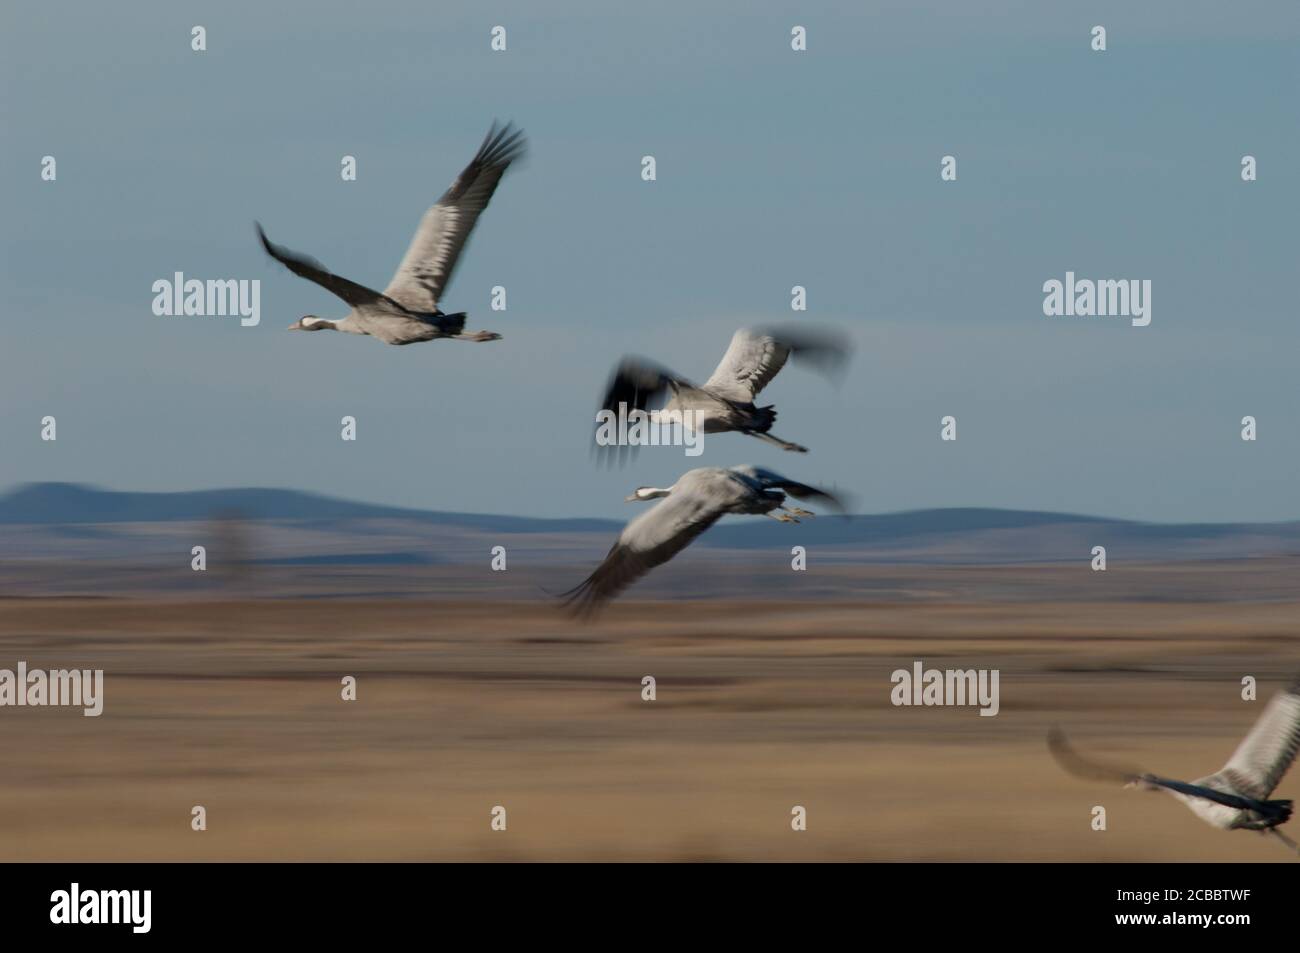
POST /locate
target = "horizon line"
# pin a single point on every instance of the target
(17, 488)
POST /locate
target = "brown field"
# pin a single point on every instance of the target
(761, 706)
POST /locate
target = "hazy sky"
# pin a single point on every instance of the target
(775, 168)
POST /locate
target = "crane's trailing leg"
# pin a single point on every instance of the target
(1284, 839)
(781, 517)
(478, 336)
(797, 511)
(783, 444)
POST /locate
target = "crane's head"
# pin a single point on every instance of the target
(1142, 783)
(642, 493)
(309, 322)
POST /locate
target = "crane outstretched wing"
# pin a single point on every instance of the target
(1267, 751)
(1073, 763)
(304, 266)
(427, 267)
(697, 501)
(1090, 770)
(650, 540)
(756, 355)
(635, 384)
(800, 491)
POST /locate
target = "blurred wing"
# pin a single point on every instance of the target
(650, 540)
(755, 356)
(307, 267)
(426, 270)
(1072, 763)
(800, 491)
(635, 384)
(1265, 754)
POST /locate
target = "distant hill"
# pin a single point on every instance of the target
(78, 503)
(44, 520)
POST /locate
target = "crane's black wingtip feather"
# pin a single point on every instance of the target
(275, 251)
(583, 601)
(580, 602)
(502, 145)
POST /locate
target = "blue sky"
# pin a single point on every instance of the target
(774, 169)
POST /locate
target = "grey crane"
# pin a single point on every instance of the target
(407, 310)
(690, 506)
(1237, 796)
(725, 402)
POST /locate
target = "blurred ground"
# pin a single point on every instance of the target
(466, 704)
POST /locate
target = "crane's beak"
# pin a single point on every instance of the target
(294, 327)
(631, 499)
